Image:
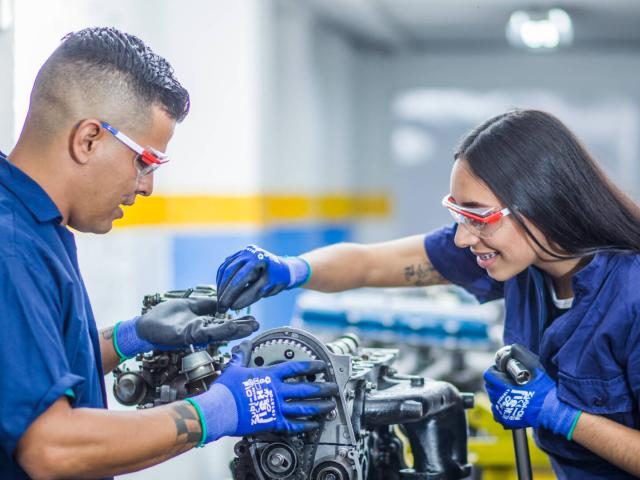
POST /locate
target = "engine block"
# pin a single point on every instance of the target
(381, 415)
(360, 439)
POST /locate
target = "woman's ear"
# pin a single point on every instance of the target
(85, 140)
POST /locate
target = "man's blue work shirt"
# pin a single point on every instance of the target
(49, 344)
(592, 351)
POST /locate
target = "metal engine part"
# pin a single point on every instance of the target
(357, 441)
(166, 376)
(379, 411)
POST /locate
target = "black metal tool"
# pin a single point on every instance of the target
(521, 375)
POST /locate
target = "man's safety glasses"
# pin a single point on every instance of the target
(147, 160)
(481, 222)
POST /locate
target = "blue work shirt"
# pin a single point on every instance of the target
(592, 351)
(49, 344)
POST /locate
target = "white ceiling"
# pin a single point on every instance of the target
(422, 23)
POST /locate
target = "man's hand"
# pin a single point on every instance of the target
(246, 401)
(178, 323)
(253, 273)
(535, 404)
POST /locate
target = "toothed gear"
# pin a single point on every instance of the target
(278, 346)
(273, 351)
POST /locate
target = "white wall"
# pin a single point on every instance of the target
(308, 129)
(372, 164)
(571, 72)
(7, 83)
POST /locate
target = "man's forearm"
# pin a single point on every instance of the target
(110, 358)
(616, 443)
(398, 263)
(188, 435)
(92, 443)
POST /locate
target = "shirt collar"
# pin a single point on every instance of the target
(32, 196)
(592, 274)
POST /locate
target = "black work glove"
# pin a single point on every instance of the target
(178, 323)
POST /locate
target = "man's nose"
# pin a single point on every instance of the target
(464, 238)
(145, 185)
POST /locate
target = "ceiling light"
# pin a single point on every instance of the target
(540, 30)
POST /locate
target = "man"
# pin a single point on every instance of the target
(74, 166)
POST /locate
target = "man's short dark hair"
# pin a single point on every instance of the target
(103, 73)
(150, 75)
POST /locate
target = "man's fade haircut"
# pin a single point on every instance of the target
(101, 71)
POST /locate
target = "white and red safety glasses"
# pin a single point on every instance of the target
(147, 160)
(480, 221)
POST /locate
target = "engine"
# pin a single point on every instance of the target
(360, 439)
(166, 376)
(386, 425)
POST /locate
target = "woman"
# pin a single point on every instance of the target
(540, 225)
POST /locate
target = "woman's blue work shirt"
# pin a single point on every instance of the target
(49, 344)
(592, 351)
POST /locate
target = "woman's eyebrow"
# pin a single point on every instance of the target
(472, 204)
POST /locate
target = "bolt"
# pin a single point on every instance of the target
(468, 400)
(331, 415)
(276, 459)
(417, 382)
(289, 354)
(330, 476)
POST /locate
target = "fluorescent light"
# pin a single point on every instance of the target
(540, 30)
(6, 14)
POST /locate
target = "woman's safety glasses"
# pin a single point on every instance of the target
(147, 160)
(481, 222)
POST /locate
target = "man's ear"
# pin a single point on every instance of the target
(86, 139)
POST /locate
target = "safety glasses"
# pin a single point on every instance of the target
(147, 160)
(481, 222)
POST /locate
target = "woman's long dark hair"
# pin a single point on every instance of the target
(534, 164)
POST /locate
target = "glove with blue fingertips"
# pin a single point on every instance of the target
(246, 401)
(534, 404)
(178, 323)
(253, 273)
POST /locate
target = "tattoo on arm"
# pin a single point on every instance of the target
(188, 429)
(422, 275)
(107, 333)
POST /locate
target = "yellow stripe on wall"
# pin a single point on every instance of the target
(252, 209)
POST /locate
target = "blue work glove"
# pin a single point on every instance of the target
(253, 273)
(535, 404)
(246, 401)
(178, 323)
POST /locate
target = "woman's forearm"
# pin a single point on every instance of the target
(616, 443)
(398, 263)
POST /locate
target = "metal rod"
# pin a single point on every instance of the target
(521, 376)
(523, 460)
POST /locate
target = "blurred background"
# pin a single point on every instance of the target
(318, 121)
